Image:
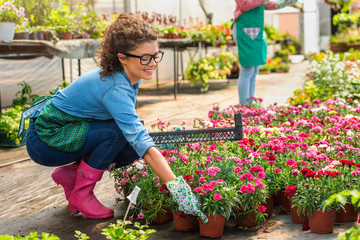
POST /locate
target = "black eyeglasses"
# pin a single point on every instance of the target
(146, 58)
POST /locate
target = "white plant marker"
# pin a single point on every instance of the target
(132, 198)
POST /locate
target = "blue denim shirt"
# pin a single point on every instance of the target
(113, 97)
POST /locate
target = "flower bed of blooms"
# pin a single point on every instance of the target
(331, 76)
(314, 148)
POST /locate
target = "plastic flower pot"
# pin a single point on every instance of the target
(214, 228)
(298, 218)
(66, 36)
(322, 222)
(164, 217)
(7, 31)
(349, 214)
(285, 202)
(246, 220)
(184, 222)
(21, 35)
(269, 204)
(277, 198)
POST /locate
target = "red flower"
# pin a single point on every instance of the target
(187, 176)
(290, 190)
(306, 227)
(359, 220)
(163, 187)
(304, 171)
(310, 174)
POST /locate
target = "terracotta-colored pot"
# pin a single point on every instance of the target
(285, 202)
(269, 204)
(298, 218)
(164, 217)
(246, 220)
(184, 222)
(214, 228)
(66, 36)
(349, 214)
(277, 198)
(322, 222)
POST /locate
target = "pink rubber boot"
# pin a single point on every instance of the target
(82, 198)
(66, 176)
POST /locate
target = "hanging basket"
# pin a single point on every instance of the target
(7, 31)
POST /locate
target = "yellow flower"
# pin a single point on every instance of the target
(332, 112)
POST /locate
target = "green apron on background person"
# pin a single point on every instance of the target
(252, 52)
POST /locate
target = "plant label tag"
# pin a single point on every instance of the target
(134, 194)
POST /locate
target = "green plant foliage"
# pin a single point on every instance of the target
(24, 96)
(31, 236)
(120, 231)
(342, 198)
(209, 67)
(9, 122)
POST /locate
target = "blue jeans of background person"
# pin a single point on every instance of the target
(247, 78)
(104, 145)
(247, 84)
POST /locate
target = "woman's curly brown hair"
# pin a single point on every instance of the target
(122, 36)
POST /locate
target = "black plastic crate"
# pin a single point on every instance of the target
(200, 135)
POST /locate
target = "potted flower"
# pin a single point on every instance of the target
(10, 15)
(152, 199)
(350, 172)
(21, 32)
(63, 21)
(212, 184)
(311, 194)
(251, 194)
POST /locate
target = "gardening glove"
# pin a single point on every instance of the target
(182, 194)
(284, 3)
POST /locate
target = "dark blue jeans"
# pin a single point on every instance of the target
(104, 145)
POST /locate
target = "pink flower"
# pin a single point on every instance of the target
(243, 188)
(251, 188)
(247, 176)
(261, 208)
(261, 175)
(199, 189)
(131, 218)
(212, 171)
(271, 162)
(256, 168)
(217, 196)
(277, 170)
(356, 172)
(158, 185)
(259, 184)
(237, 170)
(202, 179)
(141, 216)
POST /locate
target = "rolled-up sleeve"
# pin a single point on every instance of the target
(247, 5)
(119, 101)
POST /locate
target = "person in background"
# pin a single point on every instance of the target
(92, 123)
(248, 33)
